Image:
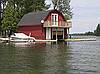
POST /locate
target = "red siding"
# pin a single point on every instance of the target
(36, 31)
(60, 18)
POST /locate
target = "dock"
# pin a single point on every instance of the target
(35, 40)
(66, 40)
(72, 40)
(46, 40)
(4, 40)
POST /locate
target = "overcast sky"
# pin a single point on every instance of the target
(86, 15)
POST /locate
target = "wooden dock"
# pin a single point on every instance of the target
(4, 40)
(67, 40)
(45, 40)
(90, 39)
(36, 40)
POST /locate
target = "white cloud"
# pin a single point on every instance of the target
(48, 1)
(86, 15)
(85, 3)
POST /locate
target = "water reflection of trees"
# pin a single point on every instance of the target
(7, 59)
(21, 60)
(30, 60)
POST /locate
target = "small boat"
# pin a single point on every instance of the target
(21, 37)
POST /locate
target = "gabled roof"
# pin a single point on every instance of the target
(34, 18)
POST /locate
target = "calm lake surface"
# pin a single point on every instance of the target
(51, 58)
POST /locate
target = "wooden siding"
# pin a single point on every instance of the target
(36, 31)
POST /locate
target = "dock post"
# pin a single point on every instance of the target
(67, 31)
(63, 34)
(56, 34)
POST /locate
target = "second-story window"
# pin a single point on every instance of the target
(54, 18)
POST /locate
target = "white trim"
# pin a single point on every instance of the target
(55, 22)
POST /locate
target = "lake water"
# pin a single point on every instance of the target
(51, 58)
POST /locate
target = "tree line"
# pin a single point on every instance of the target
(96, 32)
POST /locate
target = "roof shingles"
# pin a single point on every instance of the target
(33, 18)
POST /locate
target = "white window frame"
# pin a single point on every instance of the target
(53, 20)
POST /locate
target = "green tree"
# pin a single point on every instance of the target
(89, 33)
(8, 19)
(55, 3)
(11, 16)
(34, 5)
(97, 31)
(64, 7)
(15, 9)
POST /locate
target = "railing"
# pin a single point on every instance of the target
(60, 24)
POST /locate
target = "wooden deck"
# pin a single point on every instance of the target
(90, 39)
(46, 40)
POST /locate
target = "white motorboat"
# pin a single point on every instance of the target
(21, 37)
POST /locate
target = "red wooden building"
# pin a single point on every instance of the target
(45, 25)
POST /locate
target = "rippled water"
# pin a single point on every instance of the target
(51, 58)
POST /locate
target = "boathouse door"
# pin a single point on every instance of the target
(58, 34)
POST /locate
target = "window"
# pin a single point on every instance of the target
(54, 19)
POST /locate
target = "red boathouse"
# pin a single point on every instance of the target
(45, 25)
